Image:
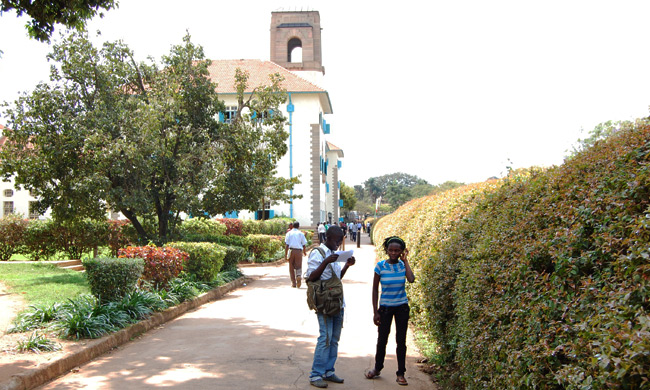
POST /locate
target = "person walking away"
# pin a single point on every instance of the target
(344, 227)
(359, 229)
(324, 267)
(321, 232)
(295, 243)
(392, 274)
(354, 230)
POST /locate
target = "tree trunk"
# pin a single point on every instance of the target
(136, 225)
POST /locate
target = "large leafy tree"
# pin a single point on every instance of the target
(254, 144)
(45, 14)
(142, 138)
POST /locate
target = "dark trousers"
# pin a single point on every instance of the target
(401, 314)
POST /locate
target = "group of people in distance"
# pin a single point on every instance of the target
(350, 229)
(391, 274)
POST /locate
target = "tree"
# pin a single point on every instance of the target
(248, 178)
(45, 14)
(347, 194)
(377, 186)
(358, 192)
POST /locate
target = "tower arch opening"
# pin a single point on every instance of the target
(294, 50)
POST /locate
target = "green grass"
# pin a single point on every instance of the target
(43, 283)
(104, 251)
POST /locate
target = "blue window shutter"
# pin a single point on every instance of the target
(271, 214)
(327, 131)
(254, 115)
(327, 187)
(339, 163)
(339, 184)
(340, 202)
(221, 117)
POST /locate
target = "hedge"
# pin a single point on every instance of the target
(12, 230)
(234, 255)
(205, 258)
(110, 279)
(203, 226)
(543, 281)
(264, 247)
(234, 226)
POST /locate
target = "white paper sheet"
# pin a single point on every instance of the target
(344, 255)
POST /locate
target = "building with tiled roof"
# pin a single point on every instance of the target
(13, 200)
(310, 155)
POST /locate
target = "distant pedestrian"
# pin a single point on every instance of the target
(321, 232)
(295, 243)
(344, 227)
(393, 303)
(354, 229)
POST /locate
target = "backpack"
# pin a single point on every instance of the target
(325, 296)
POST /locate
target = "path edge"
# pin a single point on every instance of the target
(37, 376)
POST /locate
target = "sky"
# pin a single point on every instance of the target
(445, 90)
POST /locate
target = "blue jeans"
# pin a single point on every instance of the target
(327, 346)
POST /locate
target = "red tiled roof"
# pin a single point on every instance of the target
(333, 148)
(222, 72)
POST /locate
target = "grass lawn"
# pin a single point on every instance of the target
(43, 283)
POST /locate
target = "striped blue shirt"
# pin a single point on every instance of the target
(393, 281)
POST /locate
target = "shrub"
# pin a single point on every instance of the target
(78, 237)
(160, 264)
(78, 319)
(234, 254)
(205, 258)
(111, 279)
(117, 237)
(234, 226)
(251, 227)
(240, 241)
(203, 226)
(39, 240)
(264, 247)
(12, 230)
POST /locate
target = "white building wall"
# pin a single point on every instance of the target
(19, 198)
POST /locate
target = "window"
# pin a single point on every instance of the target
(229, 114)
(9, 193)
(294, 50)
(33, 214)
(8, 208)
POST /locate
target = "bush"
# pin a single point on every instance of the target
(39, 240)
(543, 281)
(234, 254)
(111, 279)
(79, 237)
(205, 258)
(117, 237)
(234, 226)
(264, 247)
(12, 230)
(251, 227)
(160, 264)
(202, 226)
(241, 241)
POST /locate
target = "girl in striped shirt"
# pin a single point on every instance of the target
(392, 274)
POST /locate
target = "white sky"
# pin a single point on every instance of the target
(445, 90)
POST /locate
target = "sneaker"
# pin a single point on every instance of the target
(333, 378)
(298, 283)
(318, 383)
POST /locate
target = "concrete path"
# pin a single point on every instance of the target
(261, 336)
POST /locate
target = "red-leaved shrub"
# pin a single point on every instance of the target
(161, 264)
(233, 226)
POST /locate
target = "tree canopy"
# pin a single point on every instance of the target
(45, 14)
(139, 138)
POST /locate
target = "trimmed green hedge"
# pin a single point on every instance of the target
(543, 280)
(205, 261)
(110, 279)
(201, 226)
(265, 247)
(234, 255)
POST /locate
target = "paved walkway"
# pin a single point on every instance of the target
(261, 336)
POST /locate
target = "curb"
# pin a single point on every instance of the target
(35, 377)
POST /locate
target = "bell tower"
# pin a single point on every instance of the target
(293, 33)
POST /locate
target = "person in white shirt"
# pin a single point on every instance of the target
(321, 232)
(295, 243)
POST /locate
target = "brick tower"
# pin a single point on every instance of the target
(293, 29)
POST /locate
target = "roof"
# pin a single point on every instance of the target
(222, 72)
(333, 148)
